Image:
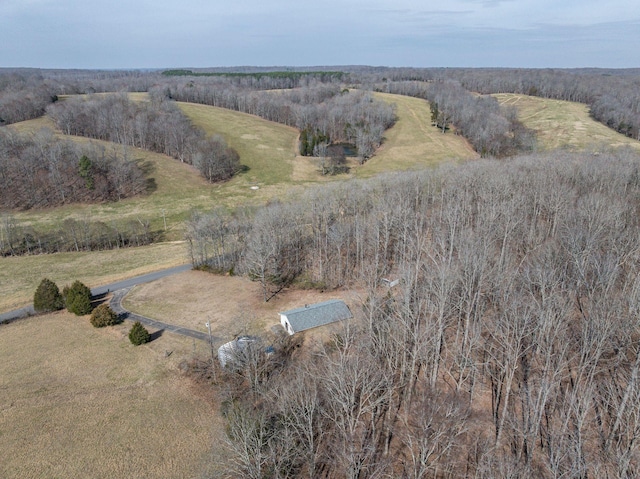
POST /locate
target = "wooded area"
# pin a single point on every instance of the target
(493, 130)
(41, 170)
(158, 126)
(510, 346)
(82, 234)
(339, 116)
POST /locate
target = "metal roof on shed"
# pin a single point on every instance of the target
(318, 314)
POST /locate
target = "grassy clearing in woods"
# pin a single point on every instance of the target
(413, 143)
(563, 124)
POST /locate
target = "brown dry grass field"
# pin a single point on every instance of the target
(76, 401)
(233, 305)
(563, 124)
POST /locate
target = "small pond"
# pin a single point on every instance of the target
(347, 148)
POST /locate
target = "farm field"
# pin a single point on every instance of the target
(76, 401)
(563, 124)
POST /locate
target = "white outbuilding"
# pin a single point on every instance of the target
(314, 315)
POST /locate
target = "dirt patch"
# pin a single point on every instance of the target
(248, 136)
(232, 304)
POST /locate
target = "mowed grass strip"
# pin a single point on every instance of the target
(266, 149)
(20, 275)
(563, 124)
(413, 143)
(76, 401)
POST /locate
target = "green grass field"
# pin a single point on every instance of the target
(563, 124)
(76, 401)
(266, 148)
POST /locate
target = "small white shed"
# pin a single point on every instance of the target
(314, 315)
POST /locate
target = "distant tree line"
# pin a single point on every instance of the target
(613, 99)
(157, 125)
(509, 347)
(611, 94)
(81, 234)
(25, 93)
(23, 98)
(340, 116)
(41, 170)
(265, 80)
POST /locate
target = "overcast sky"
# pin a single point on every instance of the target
(428, 33)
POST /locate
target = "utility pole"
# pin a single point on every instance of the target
(213, 357)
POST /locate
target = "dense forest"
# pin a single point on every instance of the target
(509, 348)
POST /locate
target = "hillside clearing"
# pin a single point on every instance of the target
(413, 143)
(233, 305)
(563, 124)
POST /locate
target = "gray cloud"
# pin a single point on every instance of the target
(535, 33)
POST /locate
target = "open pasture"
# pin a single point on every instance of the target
(233, 305)
(20, 275)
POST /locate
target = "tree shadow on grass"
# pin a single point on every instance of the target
(98, 299)
(155, 335)
(147, 168)
(150, 185)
